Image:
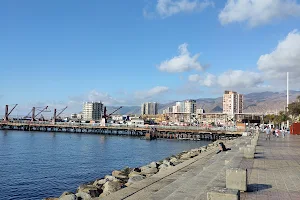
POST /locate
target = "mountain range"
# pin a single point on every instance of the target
(262, 102)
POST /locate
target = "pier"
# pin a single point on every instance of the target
(168, 132)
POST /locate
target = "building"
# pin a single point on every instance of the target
(232, 102)
(200, 111)
(149, 108)
(190, 106)
(92, 111)
(182, 111)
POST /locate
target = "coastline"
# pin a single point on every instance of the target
(121, 179)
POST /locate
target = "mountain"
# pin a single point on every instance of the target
(261, 102)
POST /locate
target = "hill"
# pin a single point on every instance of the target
(261, 102)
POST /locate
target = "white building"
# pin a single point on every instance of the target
(149, 108)
(92, 111)
(233, 102)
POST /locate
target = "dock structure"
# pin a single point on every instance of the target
(180, 133)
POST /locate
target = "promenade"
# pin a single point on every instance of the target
(274, 173)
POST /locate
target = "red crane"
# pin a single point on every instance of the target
(32, 112)
(55, 116)
(105, 116)
(7, 113)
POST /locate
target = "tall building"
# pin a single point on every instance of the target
(149, 108)
(233, 102)
(92, 111)
(190, 106)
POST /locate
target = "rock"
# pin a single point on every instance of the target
(135, 179)
(134, 174)
(67, 196)
(176, 163)
(173, 159)
(153, 165)
(164, 167)
(110, 178)
(92, 190)
(149, 170)
(99, 182)
(166, 162)
(185, 156)
(136, 170)
(83, 196)
(119, 174)
(110, 187)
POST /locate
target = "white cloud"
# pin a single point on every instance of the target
(233, 79)
(209, 79)
(153, 92)
(166, 8)
(240, 79)
(104, 98)
(257, 12)
(285, 58)
(181, 63)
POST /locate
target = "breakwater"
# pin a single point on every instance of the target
(119, 179)
(36, 164)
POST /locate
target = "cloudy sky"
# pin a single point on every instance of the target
(120, 52)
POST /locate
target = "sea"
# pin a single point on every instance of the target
(35, 165)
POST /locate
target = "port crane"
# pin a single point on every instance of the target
(34, 115)
(106, 117)
(7, 112)
(56, 115)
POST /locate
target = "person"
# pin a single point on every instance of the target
(277, 132)
(268, 132)
(222, 147)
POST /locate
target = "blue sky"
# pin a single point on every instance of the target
(126, 52)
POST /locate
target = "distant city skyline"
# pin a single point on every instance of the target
(64, 53)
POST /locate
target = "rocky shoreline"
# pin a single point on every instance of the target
(123, 178)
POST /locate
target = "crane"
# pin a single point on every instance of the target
(32, 112)
(105, 116)
(7, 113)
(55, 116)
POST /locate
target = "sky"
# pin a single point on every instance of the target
(62, 53)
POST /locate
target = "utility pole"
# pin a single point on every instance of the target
(287, 96)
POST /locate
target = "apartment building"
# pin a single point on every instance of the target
(233, 102)
(149, 108)
(92, 111)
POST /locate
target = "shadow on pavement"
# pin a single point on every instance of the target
(257, 187)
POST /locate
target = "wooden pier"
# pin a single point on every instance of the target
(180, 133)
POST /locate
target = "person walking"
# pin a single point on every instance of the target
(268, 132)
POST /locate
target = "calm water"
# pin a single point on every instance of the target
(34, 165)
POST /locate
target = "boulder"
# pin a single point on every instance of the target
(110, 178)
(136, 170)
(164, 167)
(185, 156)
(134, 174)
(92, 190)
(110, 187)
(173, 159)
(99, 182)
(83, 196)
(119, 174)
(153, 165)
(68, 196)
(149, 170)
(135, 179)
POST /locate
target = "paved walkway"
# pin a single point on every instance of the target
(273, 174)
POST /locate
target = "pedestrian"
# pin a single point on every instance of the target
(268, 132)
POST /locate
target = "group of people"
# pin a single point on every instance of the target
(275, 132)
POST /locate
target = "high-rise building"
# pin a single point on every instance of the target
(190, 106)
(233, 102)
(92, 111)
(149, 108)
